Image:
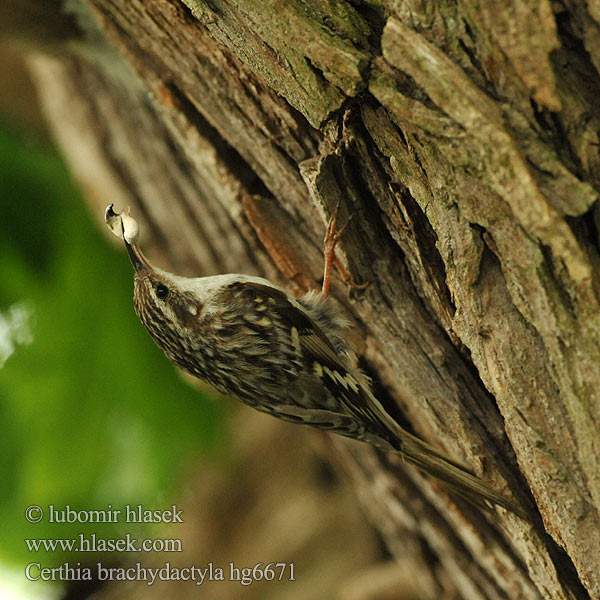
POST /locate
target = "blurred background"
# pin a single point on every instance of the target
(94, 415)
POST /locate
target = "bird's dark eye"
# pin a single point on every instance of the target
(162, 291)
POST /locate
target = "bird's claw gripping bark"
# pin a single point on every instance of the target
(332, 237)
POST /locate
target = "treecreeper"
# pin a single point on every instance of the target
(282, 355)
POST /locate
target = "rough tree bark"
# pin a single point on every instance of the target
(464, 137)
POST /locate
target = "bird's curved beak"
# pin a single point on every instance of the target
(138, 260)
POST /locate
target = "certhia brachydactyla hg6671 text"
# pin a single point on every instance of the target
(282, 355)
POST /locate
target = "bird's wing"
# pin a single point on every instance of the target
(320, 355)
(358, 402)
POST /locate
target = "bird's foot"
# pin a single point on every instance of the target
(332, 237)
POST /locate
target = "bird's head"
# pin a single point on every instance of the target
(165, 303)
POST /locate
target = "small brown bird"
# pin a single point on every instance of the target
(282, 355)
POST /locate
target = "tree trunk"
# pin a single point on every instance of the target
(463, 137)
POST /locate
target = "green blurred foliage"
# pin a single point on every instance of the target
(92, 413)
